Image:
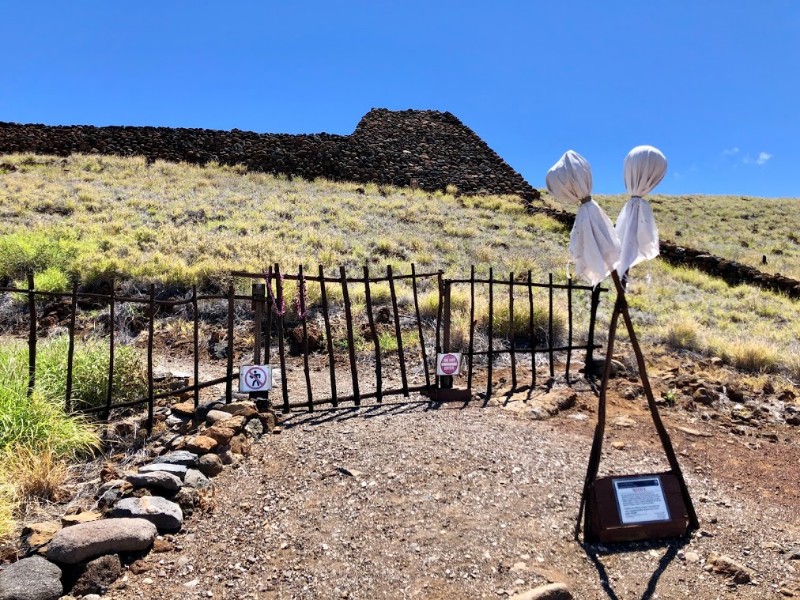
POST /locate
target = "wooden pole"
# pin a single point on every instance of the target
(491, 334)
(281, 341)
(419, 326)
(550, 329)
(569, 327)
(374, 334)
(471, 324)
(511, 330)
(303, 308)
(531, 331)
(351, 346)
(31, 336)
(398, 332)
(229, 366)
(196, 344)
(328, 339)
(71, 348)
(112, 318)
(151, 315)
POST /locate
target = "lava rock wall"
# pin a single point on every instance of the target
(428, 149)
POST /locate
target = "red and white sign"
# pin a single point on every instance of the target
(255, 378)
(448, 364)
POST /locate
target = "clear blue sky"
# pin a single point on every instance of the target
(714, 84)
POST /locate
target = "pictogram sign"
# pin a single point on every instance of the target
(255, 378)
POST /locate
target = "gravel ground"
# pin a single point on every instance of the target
(405, 501)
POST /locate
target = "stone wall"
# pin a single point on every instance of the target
(429, 149)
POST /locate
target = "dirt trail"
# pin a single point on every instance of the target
(401, 501)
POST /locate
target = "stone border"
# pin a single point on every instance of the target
(84, 552)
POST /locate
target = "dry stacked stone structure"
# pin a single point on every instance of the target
(424, 148)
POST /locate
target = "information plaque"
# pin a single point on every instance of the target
(625, 508)
(640, 500)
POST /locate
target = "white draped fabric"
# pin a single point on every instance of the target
(593, 246)
(643, 170)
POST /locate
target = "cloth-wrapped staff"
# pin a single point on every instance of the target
(643, 168)
(594, 246)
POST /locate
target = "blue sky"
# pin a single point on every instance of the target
(714, 84)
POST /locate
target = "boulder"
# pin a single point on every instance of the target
(201, 444)
(177, 470)
(725, 565)
(220, 433)
(155, 479)
(210, 464)
(86, 516)
(196, 480)
(215, 416)
(86, 541)
(179, 457)
(163, 513)
(31, 578)
(254, 428)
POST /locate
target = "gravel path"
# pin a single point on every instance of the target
(400, 501)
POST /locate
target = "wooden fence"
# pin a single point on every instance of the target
(269, 313)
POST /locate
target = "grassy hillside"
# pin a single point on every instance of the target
(89, 215)
(734, 227)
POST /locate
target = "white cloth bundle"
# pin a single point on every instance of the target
(593, 245)
(643, 170)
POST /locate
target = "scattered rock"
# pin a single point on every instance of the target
(160, 546)
(693, 432)
(156, 479)
(703, 396)
(552, 591)
(210, 464)
(692, 557)
(31, 578)
(98, 575)
(163, 513)
(88, 540)
(727, 566)
(624, 422)
(187, 498)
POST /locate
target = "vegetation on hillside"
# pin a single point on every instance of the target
(733, 227)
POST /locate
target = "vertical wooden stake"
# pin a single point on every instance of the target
(111, 324)
(374, 333)
(31, 336)
(491, 334)
(196, 344)
(71, 348)
(569, 326)
(328, 338)
(550, 329)
(281, 341)
(351, 346)
(440, 286)
(419, 326)
(511, 330)
(229, 368)
(595, 302)
(398, 333)
(303, 308)
(151, 315)
(531, 330)
(471, 325)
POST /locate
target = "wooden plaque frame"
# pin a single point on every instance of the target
(604, 523)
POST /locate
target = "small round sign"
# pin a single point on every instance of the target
(449, 364)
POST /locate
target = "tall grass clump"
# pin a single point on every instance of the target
(90, 372)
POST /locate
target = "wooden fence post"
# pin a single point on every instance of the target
(31, 336)
(111, 319)
(71, 347)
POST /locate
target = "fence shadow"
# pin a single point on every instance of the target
(596, 551)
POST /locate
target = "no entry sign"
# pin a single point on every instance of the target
(255, 378)
(448, 363)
